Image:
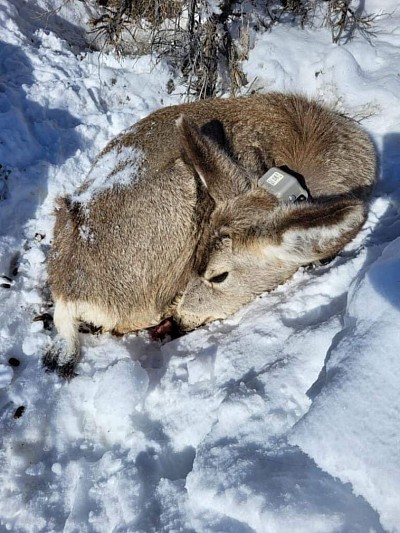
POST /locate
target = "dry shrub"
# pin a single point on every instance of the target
(192, 37)
(206, 40)
(345, 19)
(119, 21)
(152, 11)
(205, 51)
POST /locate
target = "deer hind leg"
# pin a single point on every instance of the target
(64, 353)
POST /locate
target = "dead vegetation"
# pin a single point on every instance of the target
(206, 41)
(344, 20)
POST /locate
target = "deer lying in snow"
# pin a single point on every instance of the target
(172, 219)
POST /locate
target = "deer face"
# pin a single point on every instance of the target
(254, 243)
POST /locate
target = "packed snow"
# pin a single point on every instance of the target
(284, 417)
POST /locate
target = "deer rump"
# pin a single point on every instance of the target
(171, 221)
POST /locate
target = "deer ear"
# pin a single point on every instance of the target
(305, 233)
(222, 177)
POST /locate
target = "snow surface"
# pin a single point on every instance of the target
(285, 417)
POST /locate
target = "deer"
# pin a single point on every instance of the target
(174, 218)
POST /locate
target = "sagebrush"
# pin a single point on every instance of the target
(206, 41)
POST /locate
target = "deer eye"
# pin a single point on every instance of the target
(220, 278)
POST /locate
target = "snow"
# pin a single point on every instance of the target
(117, 168)
(359, 394)
(284, 417)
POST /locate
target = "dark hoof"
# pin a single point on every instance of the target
(90, 328)
(47, 320)
(50, 361)
(58, 359)
(67, 371)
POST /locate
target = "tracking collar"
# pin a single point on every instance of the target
(283, 185)
(287, 189)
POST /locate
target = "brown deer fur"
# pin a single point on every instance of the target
(187, 213)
